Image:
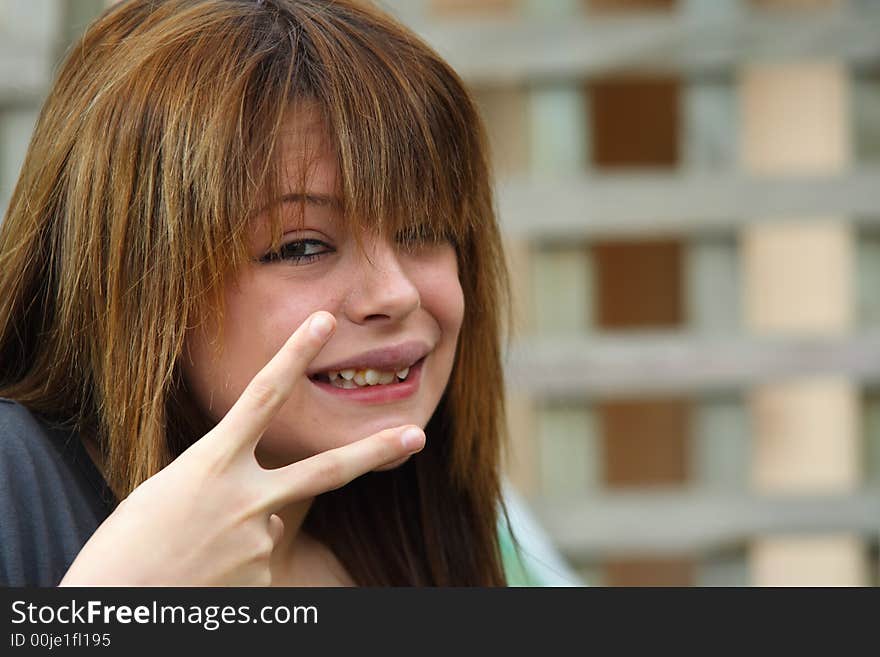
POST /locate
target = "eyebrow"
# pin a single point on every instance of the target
(320, 200)
(313, 199)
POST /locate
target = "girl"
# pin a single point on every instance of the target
(252, 301)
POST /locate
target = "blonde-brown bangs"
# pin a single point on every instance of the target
(180, 139)
(391, 110)
(182, 133)
(211, 117)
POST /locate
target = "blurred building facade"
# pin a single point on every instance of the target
(690, 193)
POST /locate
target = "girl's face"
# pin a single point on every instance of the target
(408, 300)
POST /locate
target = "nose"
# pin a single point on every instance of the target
(381, 289)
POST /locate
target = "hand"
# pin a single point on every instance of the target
(209, 517)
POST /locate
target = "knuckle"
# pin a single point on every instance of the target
(382, 453)
(300, 348)
(262, 548)
(214, 467)
(391, 447)
(303, 345)
(330, 469)
(259, 547)
(247, 501)
(208, 462)
(263, 393)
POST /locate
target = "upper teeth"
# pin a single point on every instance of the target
(369, 377)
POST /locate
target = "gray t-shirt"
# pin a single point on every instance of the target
(52, 498)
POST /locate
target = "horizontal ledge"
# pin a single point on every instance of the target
(579, 367)
(25, 70)
(647, 204)
(697, 521)
(490, 50)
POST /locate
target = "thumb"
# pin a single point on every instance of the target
(276, 528)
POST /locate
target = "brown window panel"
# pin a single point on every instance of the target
(649, 572)
(645, 442)
(639, 284)
(627, 5)
(635, 122)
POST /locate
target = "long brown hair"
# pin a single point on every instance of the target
(155, 146)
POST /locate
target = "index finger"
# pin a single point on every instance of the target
(244, 424)
(337, 467)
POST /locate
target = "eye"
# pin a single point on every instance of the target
(297, 252)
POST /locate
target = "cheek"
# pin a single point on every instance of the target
(258, 321)
(442, 296)
(450, 307)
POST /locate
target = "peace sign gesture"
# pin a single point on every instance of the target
(209, 517)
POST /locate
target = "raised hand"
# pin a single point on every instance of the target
(209, 517)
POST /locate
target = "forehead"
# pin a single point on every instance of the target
(307, 167)
(306, 159)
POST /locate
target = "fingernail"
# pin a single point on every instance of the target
(413, 439)
(321, 326)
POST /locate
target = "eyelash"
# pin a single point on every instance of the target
(295, 259)
(422, 236)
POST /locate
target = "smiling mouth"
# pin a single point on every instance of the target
(351, 379)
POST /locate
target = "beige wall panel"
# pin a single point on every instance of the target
(793, 4)
(798, 277)
(506, 117)
(809, 437)
(521, 454)
(795, 118)
(505, 112)
(809, 561)
(520, 458)
(797, 281)
(518, 257)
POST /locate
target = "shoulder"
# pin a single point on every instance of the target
(26, 466)
(14, 415)
(48, 505)
(35, 452)
(29, 455)
(22, 436)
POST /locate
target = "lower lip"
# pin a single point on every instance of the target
(379, 393)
